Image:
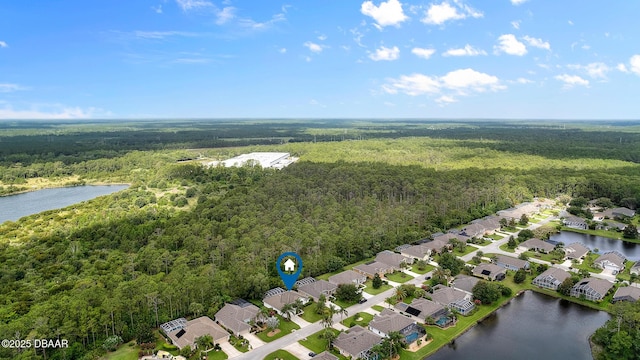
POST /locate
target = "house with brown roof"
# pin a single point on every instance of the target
(418, 252)
(278, 301)
(421, 309)
(511, 263)
(348, 277)
(236, 316)
(389, 321)
(491, 272)
(357, 343)
(626, 293)
(538, 245)
(575, 251)
(454, 299)
(611, 260)
(394, 259)
(318, 288)
(325, 356)
(372, 268)
(184, 333)
(551, 278)
(593, 289)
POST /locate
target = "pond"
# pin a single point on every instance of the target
(532, 326)
(16, 206)
(630, 250)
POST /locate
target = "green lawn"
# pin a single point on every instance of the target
(363, 320)
(343, 304)
(428, 268)
(309, 313)
(467, 250)
(398, 277)
(370, 290)
(377, 308)
(216, 355)
(587, 264)
(495, 236)
(545, 257)
(280, 354)
(124, 352)
(505, 247)
(241, 345)
(285, 329)
(626, 273)
(315, 342)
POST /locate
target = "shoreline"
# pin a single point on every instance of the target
(604, 235)
(66, 185)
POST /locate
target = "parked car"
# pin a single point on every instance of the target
(312, 354)
(362, 301)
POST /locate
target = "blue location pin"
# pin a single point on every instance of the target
(292, 269)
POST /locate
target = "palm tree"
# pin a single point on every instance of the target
(329, 335)
(391, 301)
(342, 311)
(321, 304)
(204, 342)
(327, 316)
(263, 315)
(288, 310)
(401, 293)
(396, 343)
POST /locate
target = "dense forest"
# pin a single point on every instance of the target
(186, 237)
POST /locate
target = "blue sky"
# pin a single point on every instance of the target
(320, 59)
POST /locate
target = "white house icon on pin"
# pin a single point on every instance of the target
(289, 265)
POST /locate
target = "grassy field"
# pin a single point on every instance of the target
(362, 318)
(280, 354)
(467, 250)
(604, 233)
(587, 264)
(377, 307)
(315, 342)
(310, 314)
(399, 277)
(124, 352)
(217, 355)
(370, 290)
(505, 247)
(495, 236)
(285, 329)
(428, 268)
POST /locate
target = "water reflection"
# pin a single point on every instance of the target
(630, 250)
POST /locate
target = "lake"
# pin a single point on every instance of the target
(14, 207)
(630, 250)
(532, 326)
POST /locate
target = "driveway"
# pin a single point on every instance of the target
(254, 340)
(229, 349)
(298, 351)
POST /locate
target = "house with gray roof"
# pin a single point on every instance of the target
(348, 277)
(372, 268)
(491, 272)
(278, 301)
(318, 288)
(536, 245)
(466, 283)
(236, 316)
(575, 222)
(473, 230)
(551, 278)
(626, 293)
(394, 259)
(575, 251)
(511, 263)
(418, 252)
(389, 321)
(635, 269)
(593, 289)
(611, 260)
(445, 238)
(621, 212)
(454, 299)
(357, 343)
(422, 308)
(187, 333)
(325, 355)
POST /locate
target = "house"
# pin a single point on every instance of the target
(466, 283)
(389, 321)
(454, 299)
(575, 222)
(473, 230)
(278, 301)
(183, 333)
(236, 316)
(318, 288)
(612, 225)
(516, 212)
(536, 245)
(348, 277)
(593, 289)
(491, 272)
(635, 269)
(511, 263)
(611, 260)
(419, 252)
(445, 238)
(325, 356)
(357, 343)
(575, 251)
(622, 212)
(372, 268)
(551, 278)
(422, 309)
(627, 293)
(393, 259)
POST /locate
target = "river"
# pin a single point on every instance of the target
(532, 326)
(14, 207)
(630, 250)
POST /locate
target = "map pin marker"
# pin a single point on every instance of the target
(292, 268)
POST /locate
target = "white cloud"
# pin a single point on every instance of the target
(596, 70)
(51, 112)
(518, 2)
(187, 5)
(537, 43)
(622, 67)
(468, 50)
(225, 15)
(386, 54)
(516, 24)
(3, 44)
(157, 9)
(322, 37)
(635, 64)
(159, 35)
(423, 53)
(510, 45)
(438, 14)
(445, 99)
(570, 22)
(523, 81)
(458, 82)
(388, 13)
(7, 88)
(316, 48)
(255, 25)
(572, 80)
(282, 50)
